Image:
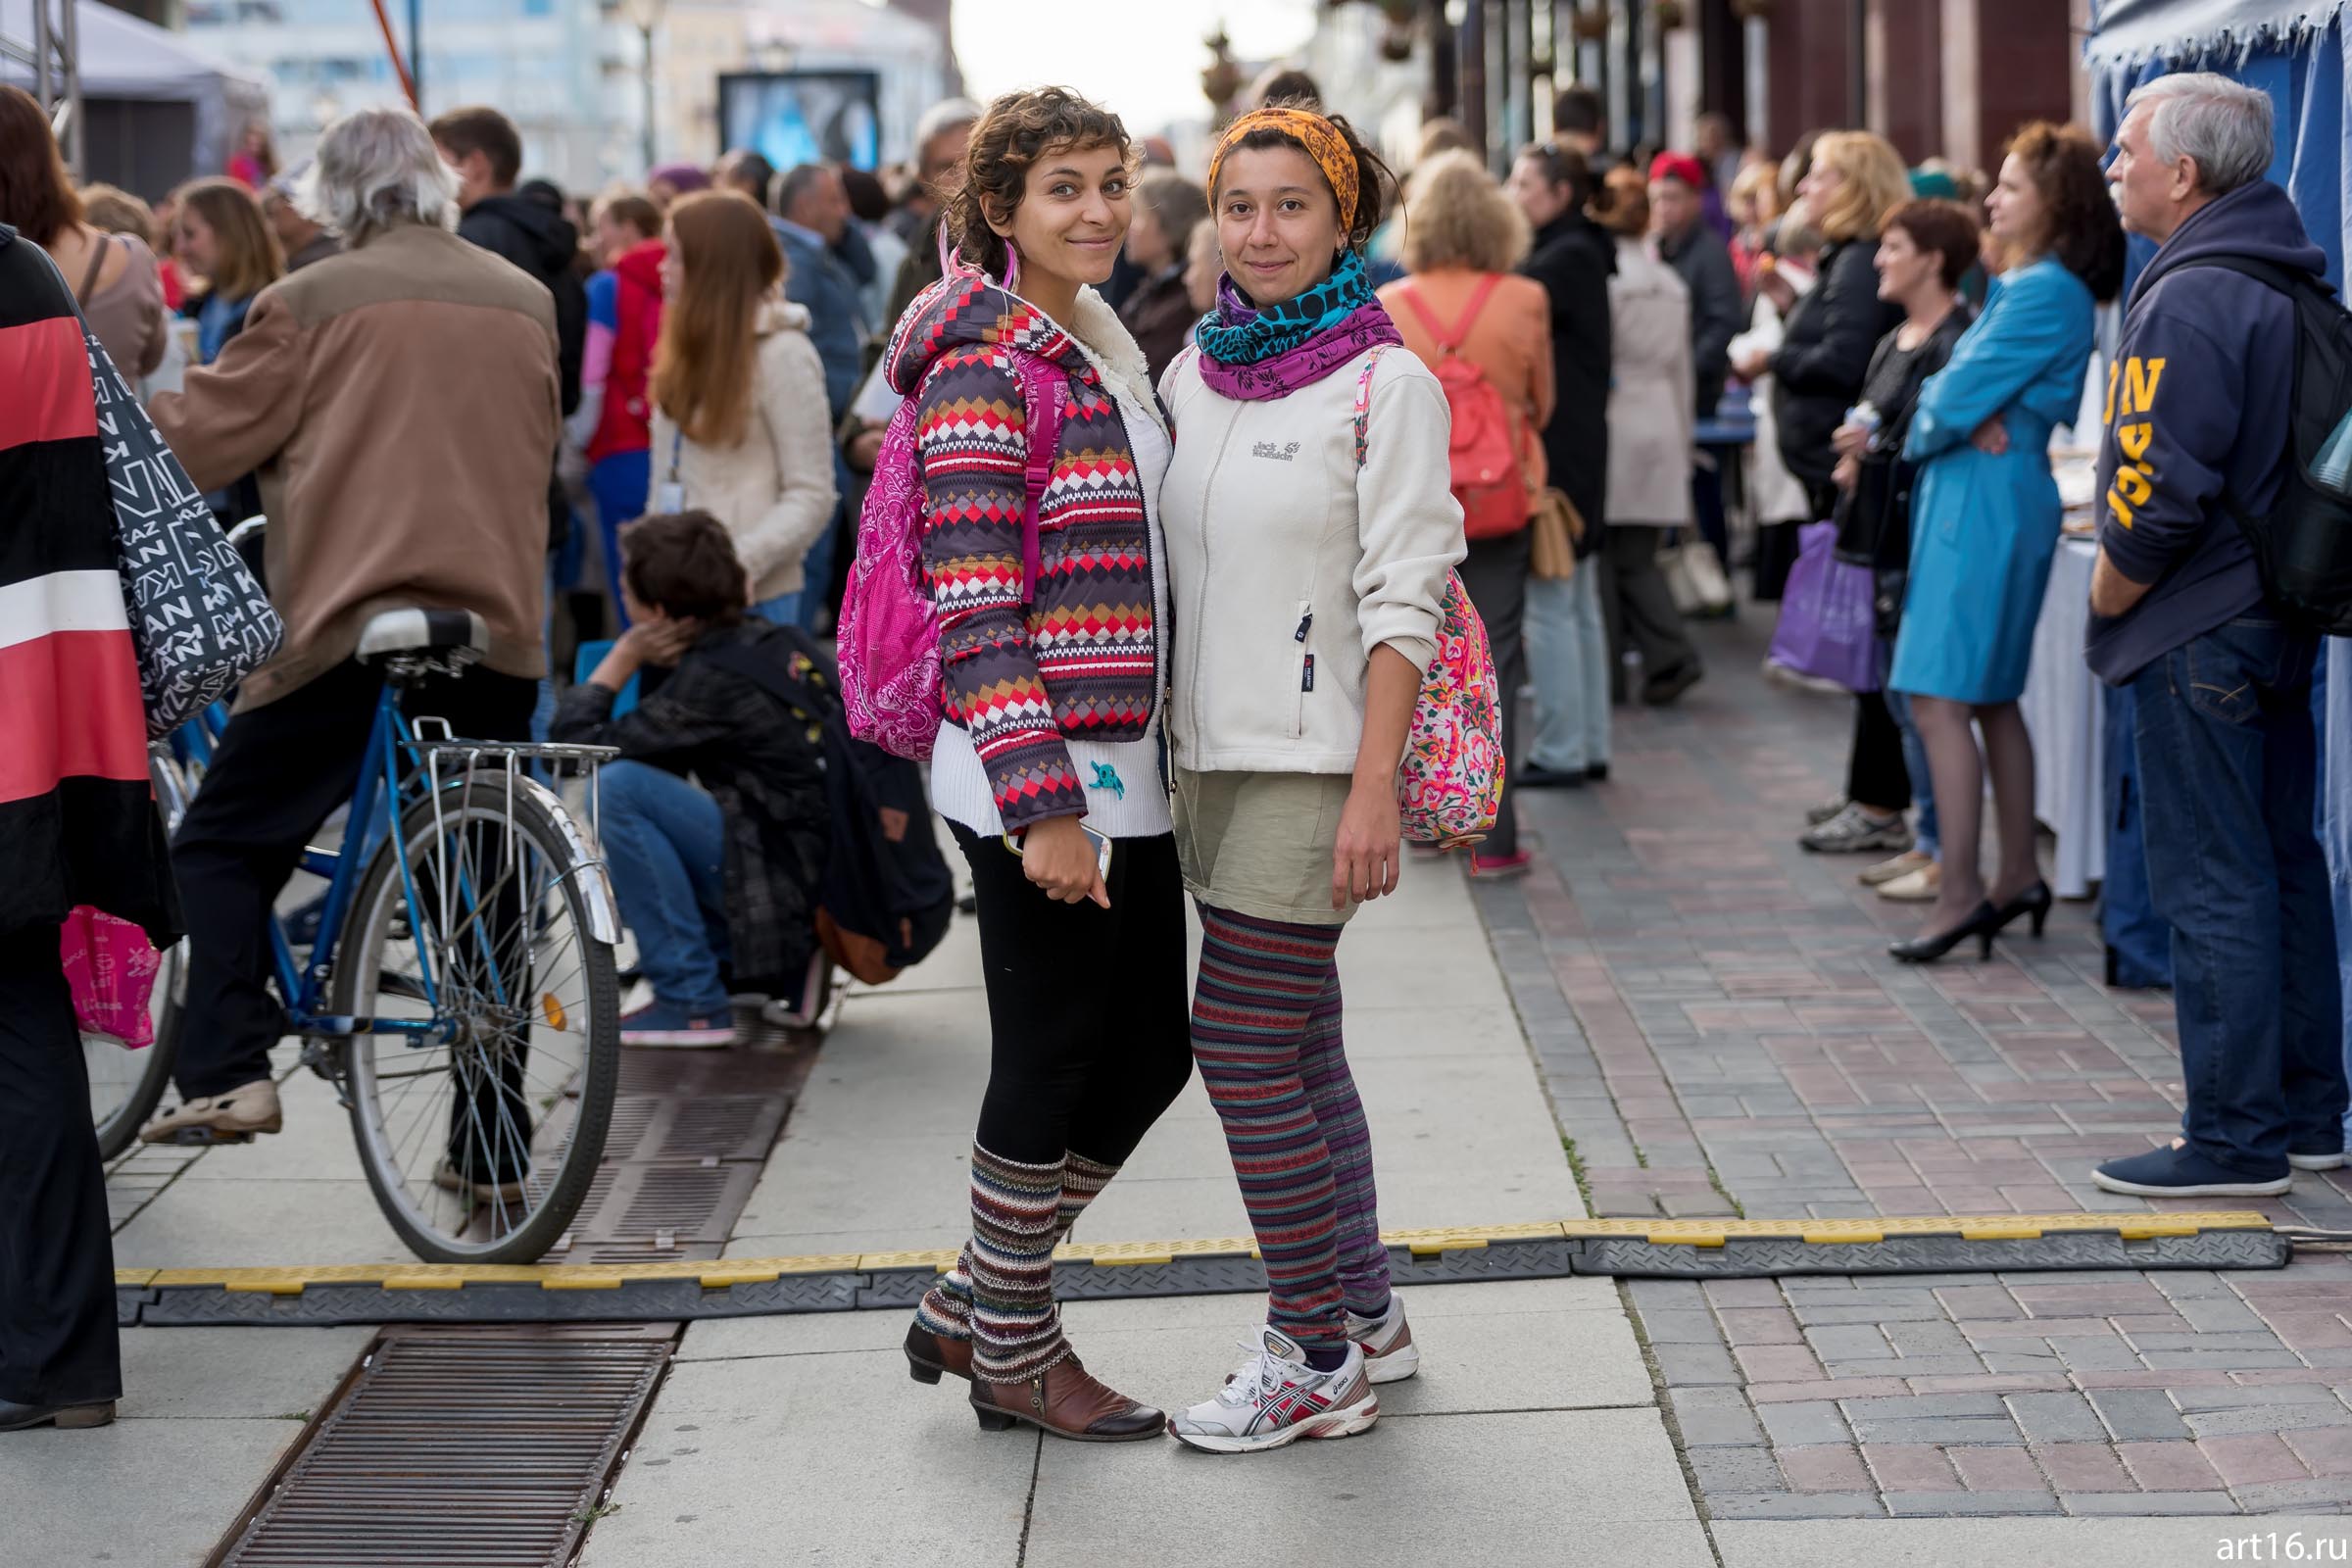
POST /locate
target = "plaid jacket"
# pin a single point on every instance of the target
(763, 761)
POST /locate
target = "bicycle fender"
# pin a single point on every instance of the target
(587, 863)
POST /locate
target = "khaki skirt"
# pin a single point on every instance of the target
(1260, 843)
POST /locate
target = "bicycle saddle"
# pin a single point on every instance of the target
(458, 635)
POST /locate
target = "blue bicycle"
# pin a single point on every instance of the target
(460, 991)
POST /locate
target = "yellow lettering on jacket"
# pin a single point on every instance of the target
(2115, 505)
(2139, 384)
(2133, 440)
(2114, 372)
(2133, 486)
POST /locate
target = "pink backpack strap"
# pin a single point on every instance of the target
(1364, 399)
(1043, 393)
(1451, 342)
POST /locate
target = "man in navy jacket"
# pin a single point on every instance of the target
(2198, 409)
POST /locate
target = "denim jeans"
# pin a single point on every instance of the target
(782, 611)
(1915, 756)
(664, 843)
(2228, 769)
(1568, 657)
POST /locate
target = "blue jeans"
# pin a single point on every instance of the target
(664, 842)
(782, 611)
(2228, 770)
(619, 484)
(1568, 659)
(1915, 756)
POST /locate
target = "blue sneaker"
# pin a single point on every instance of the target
(2320, 1156)
(2182, 1172)
(667, 1025)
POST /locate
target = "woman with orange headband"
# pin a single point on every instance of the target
(1309, 532)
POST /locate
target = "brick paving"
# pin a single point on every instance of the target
(1720, 1032)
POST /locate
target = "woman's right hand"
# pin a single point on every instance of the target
(1847, 474)
(1849, 440)
(1060, 860)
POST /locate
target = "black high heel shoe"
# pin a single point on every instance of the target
(1927, 949)
(2034, 902)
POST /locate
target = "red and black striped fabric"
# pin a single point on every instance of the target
(78, 817)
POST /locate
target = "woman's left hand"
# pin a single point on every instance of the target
(1364, 861)
(1992, 437)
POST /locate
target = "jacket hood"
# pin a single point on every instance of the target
(641, 264)
(779, 314)
(552, 239)
(2257, 220)
(963, 309)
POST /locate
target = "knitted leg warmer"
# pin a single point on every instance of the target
(947, 1307)
(1016, 1328)
(1331, 1088)
(1259, 981)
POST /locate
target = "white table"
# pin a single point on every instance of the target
(2063, 710)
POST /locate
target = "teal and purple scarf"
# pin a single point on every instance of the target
(1257, 354)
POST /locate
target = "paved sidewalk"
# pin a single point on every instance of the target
(1722, 1032)
(1534, 1421)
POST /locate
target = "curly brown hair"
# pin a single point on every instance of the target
(1012, 133)
(1375, 183)
(2079, 225)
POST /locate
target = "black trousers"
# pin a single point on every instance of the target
(1494, 573)
(57, 1256)
(1638, 607)
(1090, 1026)
(278, 773)
(1875, 774)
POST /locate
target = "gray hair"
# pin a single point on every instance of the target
(950, 114)
(2223, 126)
(374, 170)
(793, 183)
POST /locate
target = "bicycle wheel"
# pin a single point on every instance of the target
(126, 1085)
(475, 1146)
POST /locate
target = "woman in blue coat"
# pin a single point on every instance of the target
(1984, 522)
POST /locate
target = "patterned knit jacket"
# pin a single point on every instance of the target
(1082, 659)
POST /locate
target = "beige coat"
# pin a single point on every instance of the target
(1652, 393)
(398, 401)
(773, 490)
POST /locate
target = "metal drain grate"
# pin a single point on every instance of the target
(459, 1449)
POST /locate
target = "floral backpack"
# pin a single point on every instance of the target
(1449, 783)
(888, 638)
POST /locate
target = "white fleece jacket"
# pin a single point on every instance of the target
(773, 490)
(1291, 564)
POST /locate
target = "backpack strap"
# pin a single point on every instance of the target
(1043, 393)
(1364, 399)
(2288, 283)
(1451, 341)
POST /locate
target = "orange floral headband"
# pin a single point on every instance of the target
(1319, 136)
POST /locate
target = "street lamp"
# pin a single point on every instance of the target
(647, 15)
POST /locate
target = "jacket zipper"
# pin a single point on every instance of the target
(1306, 667)
(1200, 611)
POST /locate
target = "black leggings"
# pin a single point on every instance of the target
(1875, 775)
(1090, 1025)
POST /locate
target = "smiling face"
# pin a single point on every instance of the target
(2020, 213)
(1278, 222)
(1074, 213)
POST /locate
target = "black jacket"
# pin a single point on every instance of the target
(762, 762)
(1823, 358)
(544, 244)
(1873, 518)
(1717, 310)
(1574, 259)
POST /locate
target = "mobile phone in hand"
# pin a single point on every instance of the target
(1100, 842)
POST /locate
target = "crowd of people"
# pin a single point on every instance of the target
(1197, 462)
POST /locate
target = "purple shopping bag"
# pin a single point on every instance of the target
(1827, 627)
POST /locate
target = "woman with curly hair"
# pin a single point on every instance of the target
(1053, 643)
(1984, 522)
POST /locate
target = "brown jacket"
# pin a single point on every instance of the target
(398, 401)
(1510, 341)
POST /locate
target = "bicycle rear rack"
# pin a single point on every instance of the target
(506, 759)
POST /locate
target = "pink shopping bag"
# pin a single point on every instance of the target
(110, 966)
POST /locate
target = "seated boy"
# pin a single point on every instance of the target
(717, 874)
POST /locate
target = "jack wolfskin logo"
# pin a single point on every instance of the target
(1280, 454)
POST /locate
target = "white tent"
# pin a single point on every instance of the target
(157, 110)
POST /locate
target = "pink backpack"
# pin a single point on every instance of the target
(1487, 477)
(1449, 782)
(888, 638)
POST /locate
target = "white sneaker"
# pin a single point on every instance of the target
(1389, 1353)
(1277, 1399)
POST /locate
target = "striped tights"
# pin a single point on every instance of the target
(1000, 1294)
(1266, 1033)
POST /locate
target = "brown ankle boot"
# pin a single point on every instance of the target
(928, 1355)
(1067, 1401)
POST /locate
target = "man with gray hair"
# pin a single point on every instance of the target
(398, 401)
(2198, 416)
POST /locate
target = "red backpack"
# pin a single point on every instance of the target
(1486, 476)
